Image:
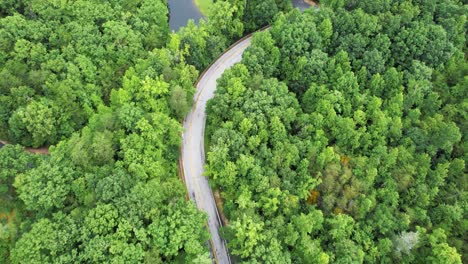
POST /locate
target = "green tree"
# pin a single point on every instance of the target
(48, 241)
(247, 235)
(36, 124)
(45, 188)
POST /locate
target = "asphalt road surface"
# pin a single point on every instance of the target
(193, 152)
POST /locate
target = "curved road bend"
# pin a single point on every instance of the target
(193, 152)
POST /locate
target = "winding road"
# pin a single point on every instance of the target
(193, 149)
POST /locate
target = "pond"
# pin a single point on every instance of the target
(300, 4)
(180, 11)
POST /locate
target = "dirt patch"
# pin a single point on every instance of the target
(310, 2)
(8, 217)
(219, 204)
(42, 150)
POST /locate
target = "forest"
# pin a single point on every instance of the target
(105, 85)
(340, 138)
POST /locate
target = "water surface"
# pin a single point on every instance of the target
(180, 11)
(300, 4)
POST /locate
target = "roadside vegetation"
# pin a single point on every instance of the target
(342, 136)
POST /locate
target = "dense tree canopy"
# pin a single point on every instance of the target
(341, 137)
(106, 84)
(50, 53)
(110, 191)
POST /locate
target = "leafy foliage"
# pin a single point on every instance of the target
(341, 137)
(59, 62)
(110, 191)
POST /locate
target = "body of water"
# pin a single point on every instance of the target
(300, 4)
(180, 11)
